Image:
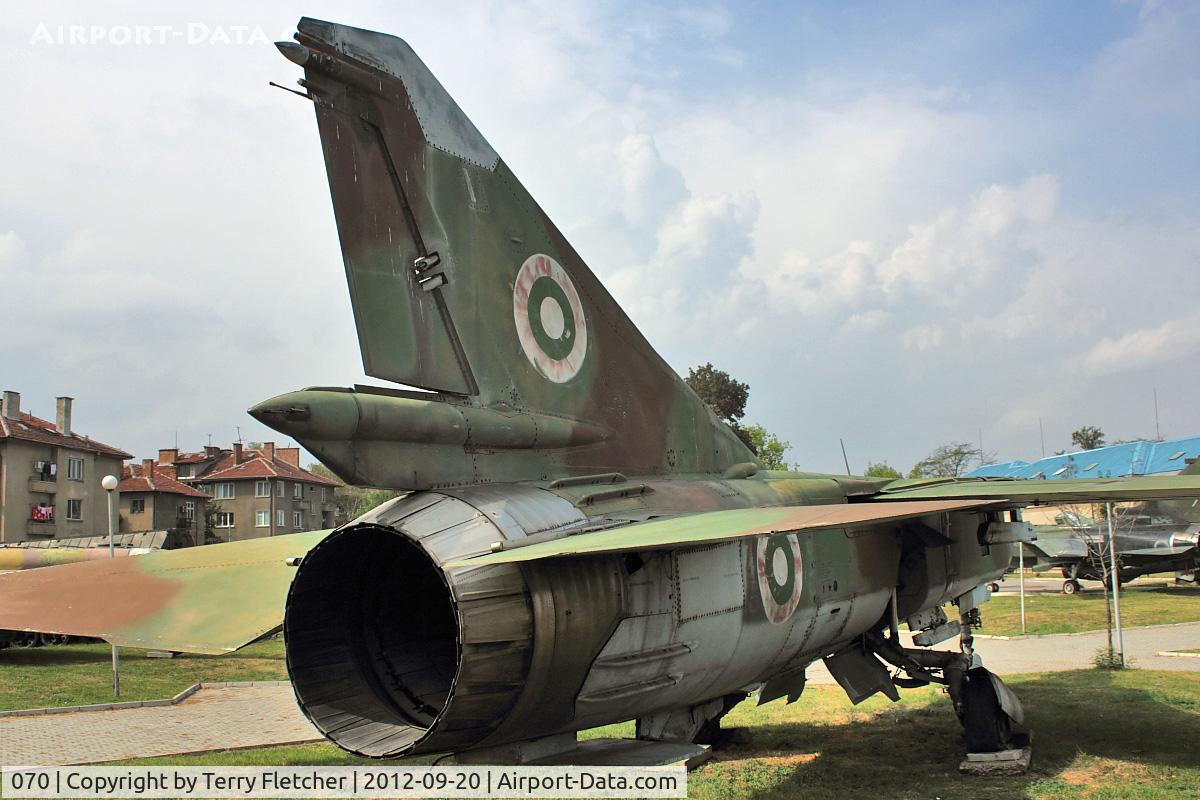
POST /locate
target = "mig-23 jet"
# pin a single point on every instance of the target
(1078, 545)
(583, 542)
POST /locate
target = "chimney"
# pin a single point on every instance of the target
(11, 405)
(148, 470)
(211, 451)
(268, 450)
(167, 455)
(62, 420)
(237, 452)
(290, 455)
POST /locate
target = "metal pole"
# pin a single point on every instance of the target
(1021, 577)
(1116, 581)
(110, 483)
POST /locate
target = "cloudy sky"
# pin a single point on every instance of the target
(899, 228)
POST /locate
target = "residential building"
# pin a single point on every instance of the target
(152, 499)
(255, 492)
(50, 475)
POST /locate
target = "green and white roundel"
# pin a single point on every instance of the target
(780, 575)
(549, 318)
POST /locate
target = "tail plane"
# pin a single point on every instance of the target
(461, 285)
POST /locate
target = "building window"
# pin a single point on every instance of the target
(297, 519)
(225, 519)
(184, 471)
(224, 491)
(75, 509)
(297, 491)
(280, 487)
(189, 510)
(137, 505)
(262, 519)
(281, 519)
(262, 488)
(75, 469)
(325, 494)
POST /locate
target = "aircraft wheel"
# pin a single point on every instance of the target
(24, 641)
(988, 728)
(994, 587)
(1071, 587)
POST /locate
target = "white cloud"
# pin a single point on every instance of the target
(1173, 340)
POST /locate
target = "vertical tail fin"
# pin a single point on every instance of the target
(461, 284)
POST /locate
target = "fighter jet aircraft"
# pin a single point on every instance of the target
(1078, 546)
(583, 541)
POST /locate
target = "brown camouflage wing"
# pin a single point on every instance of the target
(211, 599)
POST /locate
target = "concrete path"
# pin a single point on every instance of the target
(261, 714)
(224, 718)
(1074, 651)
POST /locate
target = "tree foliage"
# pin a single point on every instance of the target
(881, 469)
(1089, 437)
(947, 461)
(723, 394)
(769, 448)
(352, 501)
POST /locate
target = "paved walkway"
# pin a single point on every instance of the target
(224, 718)
(1074, 651)
(261, 714)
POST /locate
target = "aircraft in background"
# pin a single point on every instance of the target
(584, 542)
(1078, 545)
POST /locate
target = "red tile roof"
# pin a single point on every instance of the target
(33, 429)
(136, 480)
(257, 465)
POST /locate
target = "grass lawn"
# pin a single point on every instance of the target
(1060, 613)
(1099, 735)
(80, 674)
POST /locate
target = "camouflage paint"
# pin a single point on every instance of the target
(212, 599)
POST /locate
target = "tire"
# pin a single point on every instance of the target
(994, 587)
(1071, 587)
(987, 729)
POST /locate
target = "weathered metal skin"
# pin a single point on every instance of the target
(390, 653)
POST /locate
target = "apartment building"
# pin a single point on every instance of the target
(152, 499)
(259, 491)
(50, 475)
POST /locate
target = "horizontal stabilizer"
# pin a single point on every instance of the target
(1030, 492)
(718, 526)
(211, 599)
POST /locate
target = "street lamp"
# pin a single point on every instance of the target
(110, 484)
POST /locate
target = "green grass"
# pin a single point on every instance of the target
(1099, 734)
(1131, 734)
(81, 674)
(1060, 613)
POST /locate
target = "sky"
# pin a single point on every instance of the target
(901, 225)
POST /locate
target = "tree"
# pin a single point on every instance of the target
(210, 512)
(767, 446)
(724, 395)
(947, 461)
(881, 469)
(352, 501)
(1089, 437)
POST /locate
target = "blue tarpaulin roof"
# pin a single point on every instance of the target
(1114, 461)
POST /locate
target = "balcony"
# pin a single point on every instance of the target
(38, 484)
(40, 530)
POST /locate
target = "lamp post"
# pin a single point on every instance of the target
(110, 484)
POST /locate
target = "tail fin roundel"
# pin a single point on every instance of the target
(462, 285)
